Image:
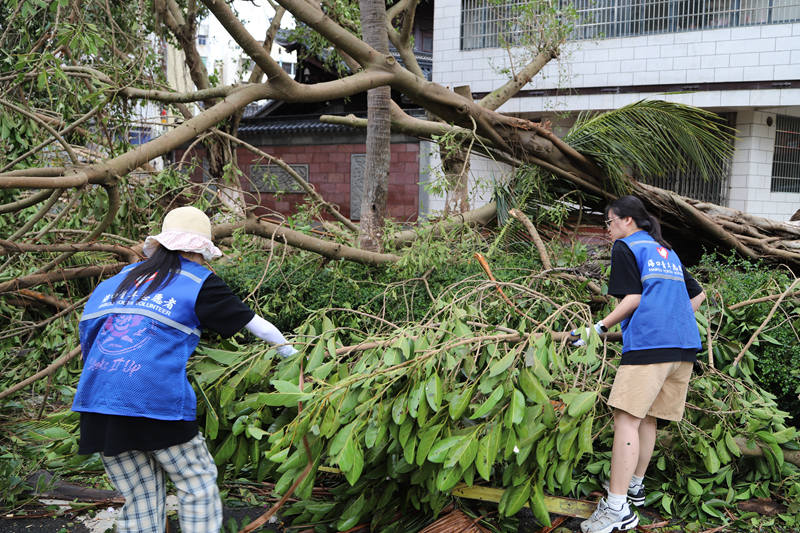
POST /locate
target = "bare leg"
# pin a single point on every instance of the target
(625, 451)
(647, 441)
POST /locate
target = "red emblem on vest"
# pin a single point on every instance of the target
(663, 252)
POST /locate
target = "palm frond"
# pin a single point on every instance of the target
(653, 138)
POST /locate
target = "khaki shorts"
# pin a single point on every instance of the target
(657, 390)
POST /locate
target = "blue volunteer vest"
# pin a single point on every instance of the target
(664, 318)
(135, 350)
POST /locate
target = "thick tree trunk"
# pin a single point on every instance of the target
(376, 169)
(456, 172)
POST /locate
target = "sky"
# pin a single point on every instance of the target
(255, 14)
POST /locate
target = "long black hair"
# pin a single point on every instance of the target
(631, 206)
(157, 271)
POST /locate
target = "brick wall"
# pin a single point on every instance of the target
(329, 172)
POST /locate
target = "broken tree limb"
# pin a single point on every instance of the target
(89, 271)
(48, 299)
(52, 367)
(482, 215)
(790, 456)
(28, 201)
(764, 323)
(485, 266)
(791, 295)
(122, 252)
(510, 336)
(331, 250)
(537, 240)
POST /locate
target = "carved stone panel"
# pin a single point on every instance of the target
(357, 164)
(272, 178)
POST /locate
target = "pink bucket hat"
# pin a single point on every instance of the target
(185, 229)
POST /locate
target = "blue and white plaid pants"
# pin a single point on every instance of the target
(139, 476)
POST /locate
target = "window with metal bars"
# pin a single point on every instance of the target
(786, 157)
(483, 21)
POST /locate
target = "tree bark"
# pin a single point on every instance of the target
(376, 170)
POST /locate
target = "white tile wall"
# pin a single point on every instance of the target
(757, 53)
(751, 172)
(483, 173)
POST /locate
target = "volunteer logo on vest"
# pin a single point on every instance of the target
(663, 252)
(124, 333)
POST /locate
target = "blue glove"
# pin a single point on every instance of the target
(600, 328)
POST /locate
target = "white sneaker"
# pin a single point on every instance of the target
(635, 493)
(604, 519)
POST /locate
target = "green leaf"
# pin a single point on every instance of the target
(694, 488)
(405, 431)
(433, 392)
(399, 411)
(514, 499)
(532, 388)
(489, 403)
(711, 460)
(347, 455)
(538, 506)
(460, 403)
(285, 399)
(316, 357)
(581, 403)
(482, 462)
(285, 386)
(447, 478)
(357, 465)
(463, 453)
(501, 365)
(338, 441)
(426, 439)
(352, 514)
(439, 450)
(585, 436)
(730, 442)
(516, 409)
(226, 394)
(255, 432)
(225, 450)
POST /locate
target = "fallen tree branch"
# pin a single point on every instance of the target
(790, 456)
(482, 216)
(557, 336)
(52, 367)
(764, 323)
(89, 271)
(48, 299)
(122, 252)
(331, 250)
(537, 240)
(791, 295)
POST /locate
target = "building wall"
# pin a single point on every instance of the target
(483, 173)
(744, 54)
(752, 169)
(752, 70)
(329, 172)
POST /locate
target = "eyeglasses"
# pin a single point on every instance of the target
(610, 220)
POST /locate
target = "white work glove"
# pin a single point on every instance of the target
(600, 328)
(264, 330)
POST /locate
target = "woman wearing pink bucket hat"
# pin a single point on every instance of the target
(137, 332)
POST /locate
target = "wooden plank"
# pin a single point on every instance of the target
(554, 504)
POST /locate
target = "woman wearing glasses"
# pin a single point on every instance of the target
(660, 341)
